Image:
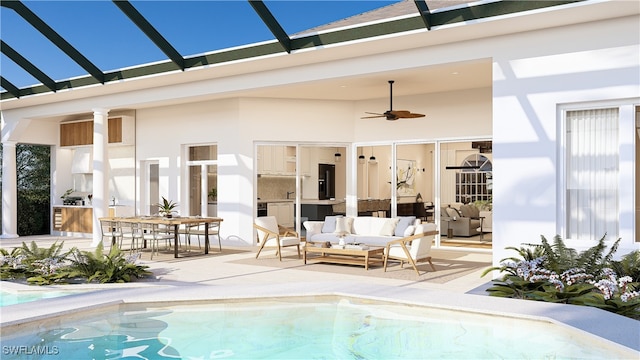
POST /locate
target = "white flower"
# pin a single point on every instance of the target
(629, 295)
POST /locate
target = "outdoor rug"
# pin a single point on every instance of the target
(448, 266)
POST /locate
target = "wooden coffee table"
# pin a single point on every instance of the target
(348, 256)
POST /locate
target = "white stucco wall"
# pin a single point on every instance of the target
(573, 64)
(236, 125)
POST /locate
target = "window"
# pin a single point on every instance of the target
(592, 174)
(203, 177)
(474, 182)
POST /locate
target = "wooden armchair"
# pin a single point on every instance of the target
(412, 249)
(271, 234)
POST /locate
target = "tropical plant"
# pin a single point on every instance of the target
(629, 265)
(12, 264)
(557, 273)
(483, 204)
(43, 266)
(33, 252)
(114, 267)
(166, 207)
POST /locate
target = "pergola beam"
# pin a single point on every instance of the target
(425, 13)
(55, 38)
(28, 66)
(151, 32)
(7, 85)
(273, 24)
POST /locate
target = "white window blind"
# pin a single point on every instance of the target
(592, 174)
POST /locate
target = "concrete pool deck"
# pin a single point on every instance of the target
(217, 277)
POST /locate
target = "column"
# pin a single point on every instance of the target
(9, 191)
(101, 198)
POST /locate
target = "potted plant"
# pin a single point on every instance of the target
(213, 194)
(166, 207)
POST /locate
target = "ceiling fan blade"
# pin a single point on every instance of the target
(413, 115)
(405, 114)
(372, 113)
(399, 112)
(372, 117)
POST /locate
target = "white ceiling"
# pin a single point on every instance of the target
(441, 78)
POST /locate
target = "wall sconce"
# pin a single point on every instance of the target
(337, 155)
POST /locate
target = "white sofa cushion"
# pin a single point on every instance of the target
(368, 225)
(389, 227)
(403, 223)
(343, 225)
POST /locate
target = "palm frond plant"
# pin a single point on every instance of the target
(165, 208)
(53, 265)
(629, 265)
(12, 264)
(112, 267)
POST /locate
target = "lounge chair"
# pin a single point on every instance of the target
(270, 234)
(412, 249)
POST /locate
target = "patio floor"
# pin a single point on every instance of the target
(237, 265)
(235, 273)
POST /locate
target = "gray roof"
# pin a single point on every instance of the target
(404, 7)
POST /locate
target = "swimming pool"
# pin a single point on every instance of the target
(318, 327)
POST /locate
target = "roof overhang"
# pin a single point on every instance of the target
(353, 42)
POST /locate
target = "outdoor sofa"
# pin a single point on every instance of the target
(368, 230)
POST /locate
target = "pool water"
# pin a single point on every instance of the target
(303, 328)
(11, 298)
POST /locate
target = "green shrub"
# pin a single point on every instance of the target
(556, 273)
(43, 266)
(114, 267)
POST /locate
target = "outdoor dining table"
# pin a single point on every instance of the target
(172, 221)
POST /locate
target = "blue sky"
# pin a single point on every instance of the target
(104, 34)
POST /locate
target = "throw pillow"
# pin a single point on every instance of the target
(453, 212)
(389, 227)
(469, 211)
(411, 229)
(343, 225)
(329, 225)
(404, 222)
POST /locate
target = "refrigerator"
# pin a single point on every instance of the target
(326, 181)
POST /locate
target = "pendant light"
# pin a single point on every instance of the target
(361, 157)
(372, 159)
(337, 156)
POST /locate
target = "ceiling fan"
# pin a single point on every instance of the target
(393, 114)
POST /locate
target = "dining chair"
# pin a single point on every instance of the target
(199, 230)
(132, 231)
(153, 234)
(111, 229)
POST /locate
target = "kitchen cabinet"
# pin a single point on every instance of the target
(283, 211)
(73, 219)
(276, 160)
